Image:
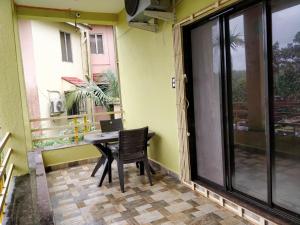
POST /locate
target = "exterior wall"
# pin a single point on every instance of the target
(103, 62)
(45, 67)
(146, 67)
(26, 41)
(13, 111)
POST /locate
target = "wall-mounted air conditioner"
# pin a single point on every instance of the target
(144, 13)
(56, 107)
(56, 103)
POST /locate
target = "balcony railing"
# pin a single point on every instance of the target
(5, 174)
(71, 129)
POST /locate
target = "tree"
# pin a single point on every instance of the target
(105, 95)
(238, 77)
(286, 64)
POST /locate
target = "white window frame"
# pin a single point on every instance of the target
(69, 57)
(96, 42)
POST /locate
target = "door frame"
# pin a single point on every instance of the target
(187, 61)
(226, 105)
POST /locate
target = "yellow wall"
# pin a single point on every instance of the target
(66, 155)
(13, 114)
(66, 15)
(186, 8)
(146, 67)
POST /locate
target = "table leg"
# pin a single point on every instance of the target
(104, 172)
(98, 165)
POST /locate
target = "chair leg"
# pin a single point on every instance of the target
(98, 165)
(147, 167)
(104, 172)
(142, 168)
(121, 174)
(151, 169)
(109, 170)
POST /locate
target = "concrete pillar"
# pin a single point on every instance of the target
(13, 108)
(254, 68)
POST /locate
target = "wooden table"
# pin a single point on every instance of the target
(101, 141)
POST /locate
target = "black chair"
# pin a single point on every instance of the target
(132, 148)
(111, 125)
(108, 126)
(117, 125)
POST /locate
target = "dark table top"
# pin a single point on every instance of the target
(105, 137)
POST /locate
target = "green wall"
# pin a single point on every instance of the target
(13, 114)
(146, 67)
(186, 8)
(66, 155)
(65, 15)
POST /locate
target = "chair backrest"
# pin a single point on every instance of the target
(111, 125)
(133, 144)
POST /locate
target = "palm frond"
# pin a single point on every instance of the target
(99, 96)
(113, 85)
(236, 39)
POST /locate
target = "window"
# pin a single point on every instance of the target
(96, 41)
(66, 48)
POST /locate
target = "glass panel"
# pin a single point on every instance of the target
(207, 101)
(69, 48)
(63, 46)
(248, 107)
(286, 70)
(100, 44)
(93, 44)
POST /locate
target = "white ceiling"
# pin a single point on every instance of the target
(101, 6)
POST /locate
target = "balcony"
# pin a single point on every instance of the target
(76, 199)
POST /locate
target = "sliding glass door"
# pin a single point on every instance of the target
(286, 111)
(247, 79)
(243, 90)
(205, 43)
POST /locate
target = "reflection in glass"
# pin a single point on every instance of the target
(286, 70)
(248, 108)
(93, 44)
(100, 43)
(207, 101)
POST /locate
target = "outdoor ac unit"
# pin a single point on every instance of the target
(56, 103)
(141, 12)
(56, 107)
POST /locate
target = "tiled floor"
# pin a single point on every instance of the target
(76, 199)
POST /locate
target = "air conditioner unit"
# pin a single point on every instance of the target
(140, 13)
(56, 107)
(56, 103)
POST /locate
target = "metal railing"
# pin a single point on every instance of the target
(71, 128)
(5, 174)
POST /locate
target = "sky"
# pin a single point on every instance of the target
(285, 25)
